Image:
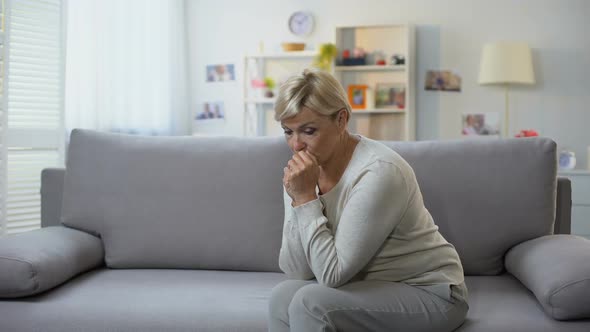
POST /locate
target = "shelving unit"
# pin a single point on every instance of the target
(259, 115)
(391, 123)
(388, 122)
(580, 221)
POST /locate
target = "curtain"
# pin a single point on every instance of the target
(126, 66)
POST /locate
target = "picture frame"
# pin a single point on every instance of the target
(220, 73)
(390, 95)
(357, 96)
(210, 111)
(481, 124)
(442, 80)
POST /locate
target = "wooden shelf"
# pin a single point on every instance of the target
(573, 172)
(378, 111)
(371, 68)
(284, 55)
(370, 26)
(260, 100)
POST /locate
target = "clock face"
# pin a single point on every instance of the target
(301, 23)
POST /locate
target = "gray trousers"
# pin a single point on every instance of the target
(298, 305)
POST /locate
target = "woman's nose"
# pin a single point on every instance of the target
(298, 144)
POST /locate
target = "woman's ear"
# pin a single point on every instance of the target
(342, 118)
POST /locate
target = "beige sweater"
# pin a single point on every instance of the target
(372, 225)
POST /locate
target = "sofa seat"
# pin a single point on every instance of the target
(147, 300)
(502, 303)
(199, 300)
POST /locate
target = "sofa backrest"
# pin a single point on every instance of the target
(486, 195)
(216, 203)
(178, 202)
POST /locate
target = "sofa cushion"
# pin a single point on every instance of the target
(148, 300)
(502, 303)
(178, 202)
(556, 269)
(184, 300)
(33, 262)
(486, 195)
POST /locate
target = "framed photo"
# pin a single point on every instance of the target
(220, 73)
(357, 96)
(389, 95)
(443, 80)
(210, 111)
(480, 124)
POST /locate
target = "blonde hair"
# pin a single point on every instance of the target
(314, 89)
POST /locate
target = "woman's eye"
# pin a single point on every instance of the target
(288, 132)
(309, 131)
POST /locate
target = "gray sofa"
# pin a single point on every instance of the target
(183, 234)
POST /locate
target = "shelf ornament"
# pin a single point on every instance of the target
(325, 57)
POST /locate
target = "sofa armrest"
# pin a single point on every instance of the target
(35, 261)
(52, 186)
(556, 268)
(563, 212)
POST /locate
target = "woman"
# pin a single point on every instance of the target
(356, 222)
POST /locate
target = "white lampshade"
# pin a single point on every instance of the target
(506, 63)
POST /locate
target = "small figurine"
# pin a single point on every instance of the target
(398, 59)
(358, 52)
(379, 58)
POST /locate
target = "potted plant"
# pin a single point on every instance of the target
(325, 57)
(270, 85)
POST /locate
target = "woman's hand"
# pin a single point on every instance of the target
(301, 177)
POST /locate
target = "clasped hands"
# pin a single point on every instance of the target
(301, 177)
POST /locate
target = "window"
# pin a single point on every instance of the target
(33, 133)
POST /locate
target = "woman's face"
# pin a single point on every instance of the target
(312, 132)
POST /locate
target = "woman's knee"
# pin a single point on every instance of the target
(309, 300)
(281, 296)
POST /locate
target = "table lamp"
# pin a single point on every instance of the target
(506, 63)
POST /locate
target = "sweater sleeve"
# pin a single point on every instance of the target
(292, 258)
(375, 206)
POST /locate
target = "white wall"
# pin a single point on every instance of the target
(450, 35)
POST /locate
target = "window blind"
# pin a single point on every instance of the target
(34, 106)
(3, 121)
(35, 83)
(23, 209)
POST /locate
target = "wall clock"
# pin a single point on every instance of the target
(301, 23)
